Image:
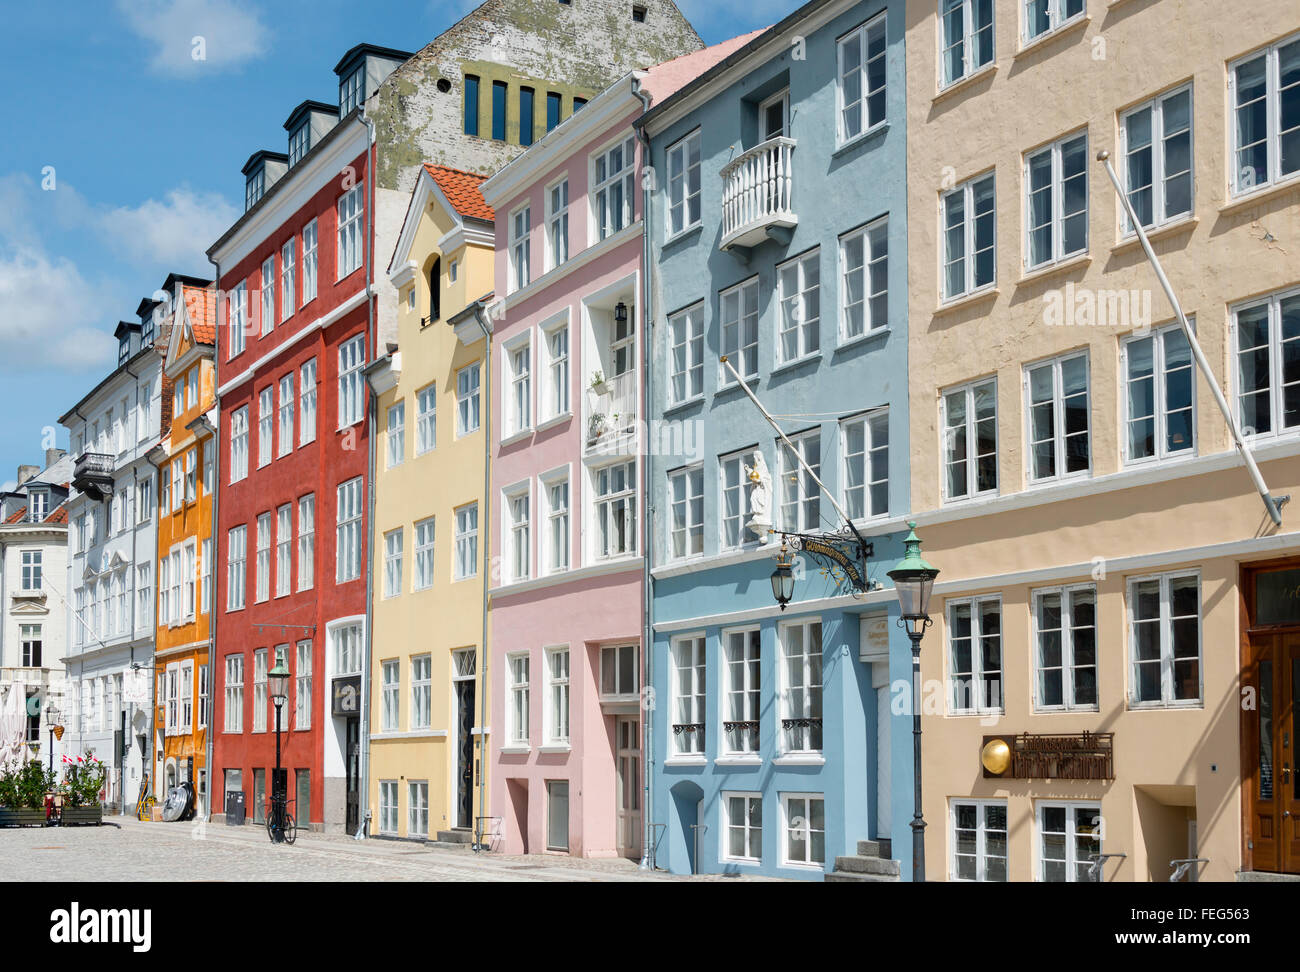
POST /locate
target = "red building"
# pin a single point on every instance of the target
(294, 274)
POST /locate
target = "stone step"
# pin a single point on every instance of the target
(457, 835)
(1266, 877)
(867, 865)
(841, 877)
(870, 848)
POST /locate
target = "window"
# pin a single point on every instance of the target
(774, 116)
(1042, 16)
(743, 822)
(393, 562)
(263, 556)
(799, 302)
(967, 43)
(421, 682)
(254, 186)
(187, 697)
(741, 690)
(306, 542)
(614, 187)
(638, 13)
(286, 414)
(739, 316)
(865, 448)
(234, 693)
(307, 389)
(1056, 201)
(557, 696)
(970, 440)
(191, 485)
(517, 702)
(688, 681)
(388, 807)
(390, 694)
(348, 522)
(1165, 639)
(417, 820)
(265, 418)
(615, 510)
(1266, 95)
(466, 564)
(686, 524)
(805, 830)
(1069, 840)
(969, 237)
(557, 810)
(31, 569)
(309, 262)
(686, 343)
(525, 115)
(499, 91)
(351, 243)
(188, 554)
(864, 271)
(861, 81)
(1065, 660)
(1159, 405)
(38, 505)
(683, 159)
(238, 447)
(178, 496)
(578, 103)
(302, 687)
(978, 839)
(396, 439)
(236, 577)
(519, 388)
(467, 410)
(144, 498)
(298, 143)
(620, 675)
(205, 697)
(346, 643)
(1057, 414)
(435, 291)
(553, 107)
(422, 578)
(426, 413)
(471, 105)
(520, 264)
(555, 397)
(143, 589)
(1157, 152)
(268, 295)
(30, 636)
(288, 276)
(801, 686)
(1268, 337)
(557, 224)
(352, 91)
(518, 520)
(623, 345)
(557, 522)
(283, 548)
(975, 655)
(800, 496)
(735, 497)
(205, 577)
(352, 396)
(192, 380)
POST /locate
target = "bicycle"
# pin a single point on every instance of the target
(145, 804)
(280, 825)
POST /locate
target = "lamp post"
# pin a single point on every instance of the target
(913, 581)
(52, 719)
(278, 682)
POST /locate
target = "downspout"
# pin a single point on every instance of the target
(363, 811)
(213, 613)
(647, 635)
(135, 476)
(485, 546)
(157, 593)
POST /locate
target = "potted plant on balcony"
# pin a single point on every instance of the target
(22, 795)
(598, 383)
(596, 426)
(85, 779)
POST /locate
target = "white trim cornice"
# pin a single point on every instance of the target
(551, 277)
(601, 569)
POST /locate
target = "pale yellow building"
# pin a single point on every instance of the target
(1099, 537)
(428, 715)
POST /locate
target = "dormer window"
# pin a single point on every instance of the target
(123, 348)
(254, 189)
(146, 332)
(38, 505)
(298, 143)
(352, 90)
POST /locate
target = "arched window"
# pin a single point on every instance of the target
(435, 290)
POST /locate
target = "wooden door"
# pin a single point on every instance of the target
(1272, 772)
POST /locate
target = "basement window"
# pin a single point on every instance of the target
(638, 13)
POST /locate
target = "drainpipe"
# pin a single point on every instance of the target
(363, 810)
(485, 521)
(213, 613)
(135, 476)
(647, 643)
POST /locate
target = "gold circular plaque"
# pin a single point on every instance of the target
(996, 756)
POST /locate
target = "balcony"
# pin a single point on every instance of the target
(610, 413)
(757, 193)
(93, 474)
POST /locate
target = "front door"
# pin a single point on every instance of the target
(352, 750)
(1273, 775)
(627, 736)
(464, 753)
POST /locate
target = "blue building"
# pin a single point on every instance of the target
(778, 239)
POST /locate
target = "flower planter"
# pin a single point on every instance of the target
(22, 817)
(82, 816)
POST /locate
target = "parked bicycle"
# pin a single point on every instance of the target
(145, 804)
(280, 825)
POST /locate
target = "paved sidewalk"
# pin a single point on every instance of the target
(128, 850)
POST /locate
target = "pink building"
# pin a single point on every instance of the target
(567, 602)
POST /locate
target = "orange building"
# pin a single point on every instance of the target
(186, 462)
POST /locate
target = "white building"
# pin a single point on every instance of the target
(33, 615)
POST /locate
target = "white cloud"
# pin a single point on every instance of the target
(188, 36)
(176, 230)
(47, 313)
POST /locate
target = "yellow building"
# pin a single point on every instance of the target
(1108, 568)
(427, 711)
(186, 459)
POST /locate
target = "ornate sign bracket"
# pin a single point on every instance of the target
(842, 557)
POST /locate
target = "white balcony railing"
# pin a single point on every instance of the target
(757, 193)
(611, 410)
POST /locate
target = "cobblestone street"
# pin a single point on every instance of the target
(127, 850)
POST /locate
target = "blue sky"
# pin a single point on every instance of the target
(122, 158)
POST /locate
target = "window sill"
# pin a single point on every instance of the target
(879, 129)
(987, 293)
(975, 713)
(865, 337)
(1259, 193)
(1036, 274)
(1037, 484)
(736, 759)
(1184, 224)
(553, 421)
(516, 750)
(1163, 706)
(699, 760)
(514, 437)
(969, 80)
(555, 749)
(683, 234)
(800, 759)
(959, 501)
(1060, 30)
(794, 363)
(684, 404)
(1049, 710)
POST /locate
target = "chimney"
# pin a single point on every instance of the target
(27, 472)
(54, 455)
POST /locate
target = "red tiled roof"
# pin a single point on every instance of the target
(462, 190)
(201, 303)
(58, 516)
(17, 516)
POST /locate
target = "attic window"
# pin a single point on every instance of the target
(146, 332)
(638, 13)
(124, 348)
(351, 90)
(298, 143)
(254, 188)
(444, 85)
(566, 3)
(38, 505)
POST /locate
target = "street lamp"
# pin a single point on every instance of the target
(51, 720)
(913, 580)
(278, 682)
(783, 576)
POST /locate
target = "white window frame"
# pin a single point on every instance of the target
(862, 35)
(236, 568)
(352, 391)
(1056, 192)
(1159, 393)
(557, 519)
(557, 391)
(724, 807)
(425, 550)
(288, 279)
(265, 425)
(417, 820)
(426, 419)
(793, 312)
(520, 255)
(234, 694)
(286, 414)
(348, 515)
(517, 709)
(1159, 171)
(351, 242)
(1059, 435)
(307, 403)
(237, 318)
(395, 436)
(751, 694)
(967, 40)
(268, 295)
(1056, 19)
(261, 688)
(390, 695)
(302, 685)
(741, 459)
(516, 516)
(874, 237)
(238, 445)
(790, 822)
(970, 429)
(557, 223)
(792, 476)
(389, 808)
(606, 509)
(517, 386)
(1068, 666)
(556, 702)
(604, 222)
(875, 425)
(1165, 622)
(306, 541)
(793, 740)
(467, 399)
(741, 352)
(1072, 862)
(688, 681)
(465, 546)
(975, 689)
(1276, 346)
(421, 691)
(686, 513)
(982, 832)
(970, 252)
(678, 196)
(309, 262)
(394, 541)
(1273, 136)
(686, 355)
(263, 561)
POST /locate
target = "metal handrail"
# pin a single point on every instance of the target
(660, 829)
(479, 844)
(1184, 864)
(1099, 862)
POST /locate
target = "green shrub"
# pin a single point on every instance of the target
(85, 780)
(10, 796)
(33, 782)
